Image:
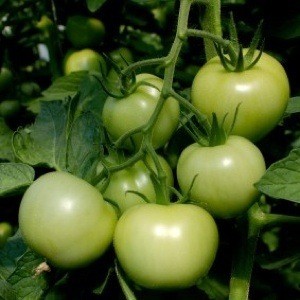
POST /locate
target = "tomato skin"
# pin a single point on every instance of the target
(136, 178)
(84, 60)
(225, 175)
(166, 246)
(6, 231)
(84, 32)
(263, 92)
(137, 108)
(66, 220)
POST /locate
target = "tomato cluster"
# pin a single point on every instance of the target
(72, 223)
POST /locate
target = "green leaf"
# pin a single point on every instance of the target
(282, 179)
(84, 145)
(44, 143)
(7, 291)
(26, 283)
(15, 178)
(94, 5)
(65, 86)
(293, 105)
(91, 96)
(6, 150)
(10, 253)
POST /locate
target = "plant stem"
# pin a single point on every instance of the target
(249, 228)
(211, 22)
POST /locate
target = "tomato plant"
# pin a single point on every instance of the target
(110, 90)
(262, 93)
(83, 60)
(172, 246)
(66, 220)
(224, 175)
(85, 32)
(124, 183)
(137, 108)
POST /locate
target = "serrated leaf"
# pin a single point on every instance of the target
(15, 178)
(65, 86)
(94, 5)
(282, 179)
(44, 143)
(10, 253)
(27, 285)
(6, 150)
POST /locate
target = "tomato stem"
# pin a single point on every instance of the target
(211, 22)
(249, 228)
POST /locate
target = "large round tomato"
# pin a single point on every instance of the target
(84, 32)
(84, 60)
(166, 246)
(66, 220)
(262, 92)
(133, 111)
(136, 178)
(225, 175)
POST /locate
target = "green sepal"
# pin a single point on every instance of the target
(218, 134)
(238, 61)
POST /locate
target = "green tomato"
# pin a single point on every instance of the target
(166, 246)
(6, 231)
(136, 178)
(85, 32)
(224, 175)
(84, 60)
(66, 220)
(263, 92)
(6, 78)
(9, 108)
(136, 109)
(120, 54)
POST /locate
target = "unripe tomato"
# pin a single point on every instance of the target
(66, 220)
(136, 109)
(84, 60)
(135, 178)
(6, 231)
(262, 92)
(224, 176)
(166, 246)
(84, 32)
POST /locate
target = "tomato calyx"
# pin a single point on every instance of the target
(239, 60)
(217, 135)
